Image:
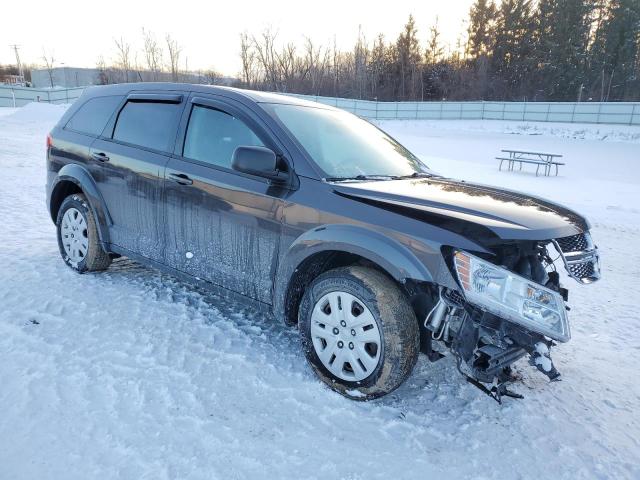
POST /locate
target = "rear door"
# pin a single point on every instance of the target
(222, 226)
(130, 158)
(74, 139)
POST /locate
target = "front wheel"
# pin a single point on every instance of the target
(359, 332)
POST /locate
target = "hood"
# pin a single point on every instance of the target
(476, 211)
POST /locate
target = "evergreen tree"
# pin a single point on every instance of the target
(562, 42)
(408, 60)
(480, 45)
(432, 69)
(513, 60)
(616, 51)
(482, 18)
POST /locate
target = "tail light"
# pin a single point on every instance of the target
(49, 141)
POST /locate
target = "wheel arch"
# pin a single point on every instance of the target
(73, 178)
(332, 246)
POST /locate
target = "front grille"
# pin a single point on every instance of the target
(574, 243)
(582, 270)
(580, 257)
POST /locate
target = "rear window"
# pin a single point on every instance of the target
(92, 117)
(148, 124)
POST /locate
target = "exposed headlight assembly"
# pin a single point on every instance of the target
(512, 297)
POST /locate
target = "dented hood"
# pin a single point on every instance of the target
(469, 209)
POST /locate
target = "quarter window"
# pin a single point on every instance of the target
(92, 117)
(148, 124)
(213, 135)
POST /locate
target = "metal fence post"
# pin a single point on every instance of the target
(633, 113)
(13, 96)
(546, 118)
(482, 110)
(376, 109)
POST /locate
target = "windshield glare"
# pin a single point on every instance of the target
(345, 146)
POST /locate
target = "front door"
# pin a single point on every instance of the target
(221, 225)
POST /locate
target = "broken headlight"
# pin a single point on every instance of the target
(512, 297)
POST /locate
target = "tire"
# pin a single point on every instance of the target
(78, 238)
(377, 369)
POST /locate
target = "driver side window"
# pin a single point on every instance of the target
(213, 135)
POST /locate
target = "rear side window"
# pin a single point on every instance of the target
(92, 117)
(213, 135)
(148, 124)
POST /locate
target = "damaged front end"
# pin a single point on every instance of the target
(510, 305)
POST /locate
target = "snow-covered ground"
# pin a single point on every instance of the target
(130, 374)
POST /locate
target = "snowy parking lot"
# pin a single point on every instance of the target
(131, 374)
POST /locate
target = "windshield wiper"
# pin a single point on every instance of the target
(378, 177)
(414, 175)
(360, 177)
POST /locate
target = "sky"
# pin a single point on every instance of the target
(77, 32)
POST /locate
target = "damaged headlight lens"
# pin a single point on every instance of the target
(512, 297)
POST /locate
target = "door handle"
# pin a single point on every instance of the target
(100, 156)
(180, 178)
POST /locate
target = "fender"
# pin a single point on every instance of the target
(79, 175)
(381, 249)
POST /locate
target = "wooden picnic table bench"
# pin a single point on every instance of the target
(546, 160)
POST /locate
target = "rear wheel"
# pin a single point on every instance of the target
(359, 332)
(78, 239)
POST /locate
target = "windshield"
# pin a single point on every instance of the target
(345, 146)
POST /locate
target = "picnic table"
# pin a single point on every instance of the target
(539, 159)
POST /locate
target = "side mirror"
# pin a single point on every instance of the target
(259, 161)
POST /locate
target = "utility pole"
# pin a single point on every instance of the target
(18, 63)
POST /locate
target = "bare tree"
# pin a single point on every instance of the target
(286, 63)
(248, 59)
(264, 48)
(103, 75)
(315, 65)
(174, 57)
(49, 62)
(212, 77)
(123, 57)
(360, 59)
(152, 54)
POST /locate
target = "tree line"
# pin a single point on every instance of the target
(544, 50)
(532, 50)
(161, 60)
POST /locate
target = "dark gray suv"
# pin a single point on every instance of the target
(322, 219)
